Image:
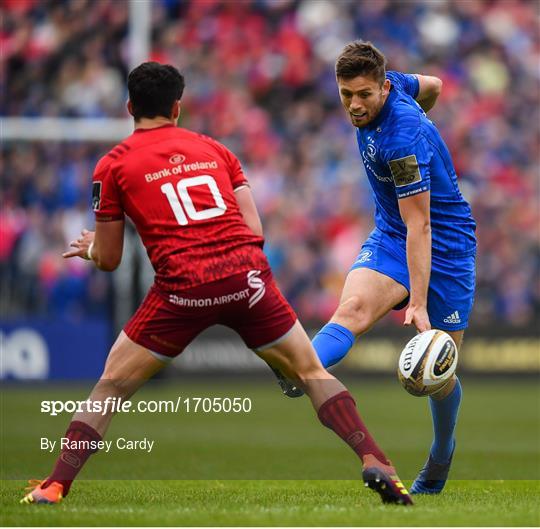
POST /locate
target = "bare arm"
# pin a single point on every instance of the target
(105, 244)
(414, 211)
(244, 197)
(429, 90)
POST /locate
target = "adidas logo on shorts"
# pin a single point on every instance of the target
(453, 318)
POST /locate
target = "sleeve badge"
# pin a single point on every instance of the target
(405, 171)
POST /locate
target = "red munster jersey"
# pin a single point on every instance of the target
(178, 188)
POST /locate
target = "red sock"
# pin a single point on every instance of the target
(71, 460)
(339, 413)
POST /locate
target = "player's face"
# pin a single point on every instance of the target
(363, 98)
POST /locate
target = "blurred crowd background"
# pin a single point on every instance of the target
(260, 79)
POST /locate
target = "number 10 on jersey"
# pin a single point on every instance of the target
(182, 204)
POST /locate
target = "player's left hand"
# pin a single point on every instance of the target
(419, 317)
(81, 245)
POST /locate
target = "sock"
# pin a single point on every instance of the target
(332, 343)
(71, 460)
(444, 414)
(339, 413)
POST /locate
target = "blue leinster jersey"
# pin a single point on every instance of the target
(404, 154)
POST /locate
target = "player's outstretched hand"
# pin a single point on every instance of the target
(81, 245)
(419, 317)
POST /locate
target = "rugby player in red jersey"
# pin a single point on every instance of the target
(193, 208)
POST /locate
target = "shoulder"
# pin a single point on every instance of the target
(405, 83)
(104, 164)
(395, 77)
(113, 156)
(208, 141)
(197, 137)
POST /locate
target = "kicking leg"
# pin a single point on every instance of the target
(367, 296)
(127, 368)
(444, 406)
(295, 357)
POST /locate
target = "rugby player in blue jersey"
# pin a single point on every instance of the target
(422, 250)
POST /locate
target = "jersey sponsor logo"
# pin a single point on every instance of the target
(364, 257)
(180, 168)
(96, 196)
(453, 318)
(254, 281)
(196, 166)
(208, 302)
(405, 171)
(162, 173)
(175, 159)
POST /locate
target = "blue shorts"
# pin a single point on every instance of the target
(451, 285)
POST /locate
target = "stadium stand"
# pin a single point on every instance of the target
(260, 79)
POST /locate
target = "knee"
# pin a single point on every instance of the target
(354, 314)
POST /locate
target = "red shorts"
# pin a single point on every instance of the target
(249, 303)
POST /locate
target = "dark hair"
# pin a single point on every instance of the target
(361, 58)
(153, 88)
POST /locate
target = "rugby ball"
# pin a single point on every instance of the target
(427, 363)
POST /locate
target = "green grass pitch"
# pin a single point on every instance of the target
(277, 465)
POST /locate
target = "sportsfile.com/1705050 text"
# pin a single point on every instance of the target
(119, 405)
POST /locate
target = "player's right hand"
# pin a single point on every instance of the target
(419, 317)
(81, 245)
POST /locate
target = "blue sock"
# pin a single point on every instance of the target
(444, 414)
(332, 343)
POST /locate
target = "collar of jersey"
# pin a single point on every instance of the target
(385, 110)
(155, 128)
